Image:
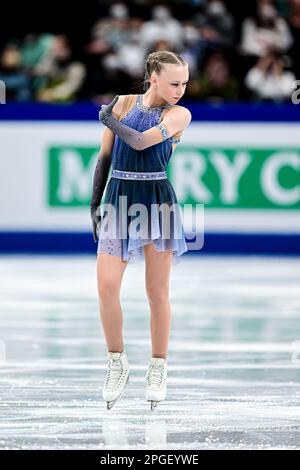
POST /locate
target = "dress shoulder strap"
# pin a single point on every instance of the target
(128, 103)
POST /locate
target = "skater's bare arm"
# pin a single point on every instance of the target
(177, 119)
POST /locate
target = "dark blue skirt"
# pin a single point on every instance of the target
(136, 213)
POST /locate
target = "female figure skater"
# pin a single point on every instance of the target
(147, 128)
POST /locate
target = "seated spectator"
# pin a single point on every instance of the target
(266, 32)
(268, 79)
(216, 24)
(215, 82)
(16, 80)
(37, 57)
(294, 22)
(35, 49)
(190, 46)
(109, 32)
(131, 54)
(162, 27)
(65, 75)
(120, 68)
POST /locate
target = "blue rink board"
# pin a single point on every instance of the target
(82, 242)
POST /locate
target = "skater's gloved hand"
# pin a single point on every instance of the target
(106, 109)
(96, 221)
(137, 140)
(99, 183)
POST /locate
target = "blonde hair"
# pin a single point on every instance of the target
(155, 62)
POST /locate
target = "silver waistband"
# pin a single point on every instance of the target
(138, 175)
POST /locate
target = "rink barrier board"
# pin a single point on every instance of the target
(85, 111)
(201, 111)
(214, 243)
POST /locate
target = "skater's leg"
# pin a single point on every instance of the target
(158, 267)
(110, 270)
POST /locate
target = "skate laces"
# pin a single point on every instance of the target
(115, 374)
(155, 375)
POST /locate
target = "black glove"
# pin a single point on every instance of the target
(96, 220)
(106, 109)
(99, 182)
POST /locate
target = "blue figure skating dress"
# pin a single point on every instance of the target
(140, 205)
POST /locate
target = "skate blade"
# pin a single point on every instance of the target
(110, 404)
(153, 404)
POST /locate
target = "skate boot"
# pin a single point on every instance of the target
(156, 381)
(117, 377)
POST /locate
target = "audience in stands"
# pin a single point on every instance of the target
(231, 55)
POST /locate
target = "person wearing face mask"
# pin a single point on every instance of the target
(162, 26)
(269, 80)
(216, 23)
(265, 32)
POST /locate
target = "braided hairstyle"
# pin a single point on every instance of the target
(155, 63)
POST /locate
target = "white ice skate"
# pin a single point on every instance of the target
(117, 377)
(156, 381)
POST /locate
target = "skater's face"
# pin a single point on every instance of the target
(171, 82)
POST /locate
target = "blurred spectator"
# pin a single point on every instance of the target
(216, 82)
(64, 75)
(108, 35)
(269, 80)
(130, 55)
(190, 46)
(163, 26)
(266, 32)
(35, 49)
(111, 31)
(121, 68)
(36, 57)
(44, 66)
(216, 24)
(16, 80)
(294, 21)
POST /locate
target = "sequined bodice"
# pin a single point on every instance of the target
(154, 158)
(150, 109)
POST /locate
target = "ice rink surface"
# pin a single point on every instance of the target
(233, 364)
